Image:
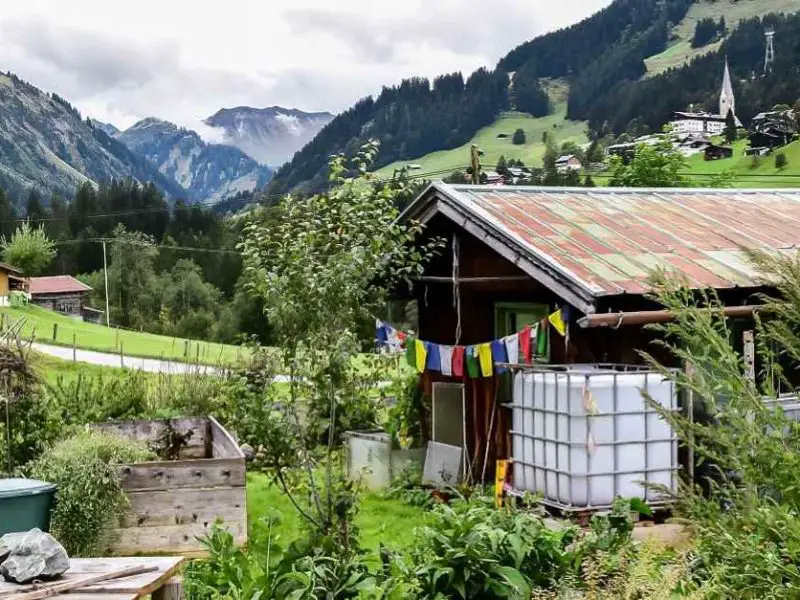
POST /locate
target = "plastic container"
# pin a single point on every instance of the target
(25, 504)
(581, 437)
(371, 457)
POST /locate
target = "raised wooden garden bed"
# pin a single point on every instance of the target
(173, 502)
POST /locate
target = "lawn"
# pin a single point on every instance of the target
(747, 172)
(531, 152)
(52, 369)
(680, 49)
(52, 328)
(380, 520)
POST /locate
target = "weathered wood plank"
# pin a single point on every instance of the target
(222, 443)
(185, 506)
(166, 475)
(171, 590)
(171, 539)
(126, 587)
(149, 430)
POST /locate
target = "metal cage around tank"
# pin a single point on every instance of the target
(583, 435)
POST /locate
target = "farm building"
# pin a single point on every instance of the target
(565, 164)
(716, 152)
(11, 279)
(61, 293)
(517, 254)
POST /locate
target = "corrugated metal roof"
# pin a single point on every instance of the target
(57, 284)
(608, 240)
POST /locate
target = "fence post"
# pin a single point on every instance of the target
(74, 348)
(186, 349)
(121, 357)
(116, 339)
(55, 331)
(197, 354)
(3, 322)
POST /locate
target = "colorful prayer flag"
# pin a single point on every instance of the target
(421, 352)
(446, 356)
(512, 348)
(411, 353)
(525, 343)
(484, 352)
(499, 354)
(541, 341)
(458, 361)
(473, 368)
(557, 321)
(433, 361)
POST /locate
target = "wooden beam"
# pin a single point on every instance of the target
(449, 280)
(646, 317)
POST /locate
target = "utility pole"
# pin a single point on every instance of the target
(105, 274)
(769, 57)
(476, 164)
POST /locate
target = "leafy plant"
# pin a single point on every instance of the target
(90, 500)
(472, 550)
(29, 249)
(406, 419)
(170, 442)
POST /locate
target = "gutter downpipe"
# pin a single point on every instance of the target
(647, 317)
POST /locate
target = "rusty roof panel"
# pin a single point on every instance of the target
(610, 240)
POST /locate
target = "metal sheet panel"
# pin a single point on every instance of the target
(608, 240)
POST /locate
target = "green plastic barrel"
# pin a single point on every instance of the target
(25, 504)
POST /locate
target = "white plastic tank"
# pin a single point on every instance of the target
(583, 436)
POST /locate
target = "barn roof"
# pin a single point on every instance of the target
(585, 243)
(57, 284)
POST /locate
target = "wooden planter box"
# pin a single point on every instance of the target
(172, 503)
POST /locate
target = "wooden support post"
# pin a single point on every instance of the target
(116, 339)
(55, 331)
(171, 590)
(186, 349)
(748, 339)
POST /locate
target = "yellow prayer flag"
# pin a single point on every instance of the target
(485, 358)
(422, 355)
(557, 321)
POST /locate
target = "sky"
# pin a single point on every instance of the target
(183, 60)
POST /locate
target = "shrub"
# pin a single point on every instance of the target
(90, 500)
(781, 161)
(518, 138)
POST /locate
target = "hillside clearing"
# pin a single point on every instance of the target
(680, 50)
(749, 172)
(40, 325)
(493, 147)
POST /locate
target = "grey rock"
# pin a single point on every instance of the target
(249, 453)
(31, 555)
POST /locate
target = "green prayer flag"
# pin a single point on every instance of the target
(473, 369)
(411, 353)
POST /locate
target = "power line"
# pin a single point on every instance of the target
(146, 244)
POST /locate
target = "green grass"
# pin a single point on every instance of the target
(51, 369)
(680, 49)
(747, 173)
(39, 325)
(380, 520)
(530, 153)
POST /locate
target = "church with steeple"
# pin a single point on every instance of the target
(704, 123)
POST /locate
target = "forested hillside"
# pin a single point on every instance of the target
(603, 58)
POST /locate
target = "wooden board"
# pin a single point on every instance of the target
(167, 475)
(185, 506)
(222, 443)
(198, 446)
(171, 539)
(127, 588)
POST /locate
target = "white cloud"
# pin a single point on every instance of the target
(182, 60)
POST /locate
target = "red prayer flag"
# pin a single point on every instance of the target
(525, 344)
(458, 361)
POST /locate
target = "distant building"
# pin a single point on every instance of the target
(61, 293)
(772, 129)
(704, 122)
(715, 152)
(11, 279)
(568, 163)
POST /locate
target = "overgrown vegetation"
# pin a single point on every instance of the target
(90, 499)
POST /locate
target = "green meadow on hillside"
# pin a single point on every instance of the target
(493, 147)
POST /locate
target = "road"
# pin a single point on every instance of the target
(105, 359)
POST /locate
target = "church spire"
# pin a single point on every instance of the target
(726, 100)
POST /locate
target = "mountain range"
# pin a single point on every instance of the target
(45, 144)
(270, 135)
(627, 68)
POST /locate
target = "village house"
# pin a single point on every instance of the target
(517, 254)
(11, 280)
(61, 293)
(701, 122)
(716, 152)
(568, 163)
